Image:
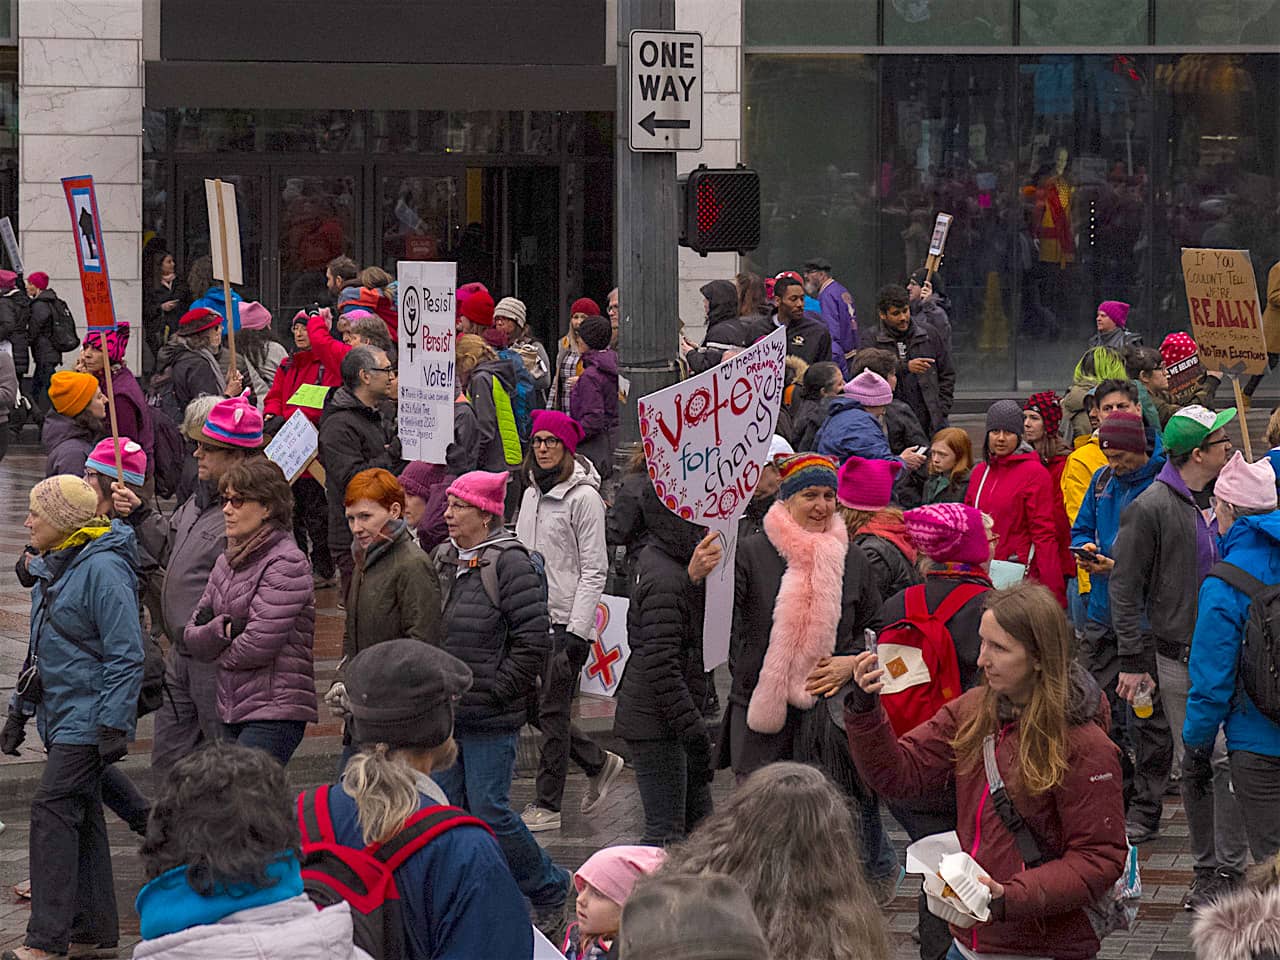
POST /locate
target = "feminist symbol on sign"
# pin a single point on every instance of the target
(411, 322)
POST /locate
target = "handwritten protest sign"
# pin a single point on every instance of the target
(1226, 321)
(294, 446)
(706, 441)
(426, 351)
(610, 651)
(1185, 373)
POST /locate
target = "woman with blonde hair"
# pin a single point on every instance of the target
(400, 695)
(1039, 720)
(804, 910)
(489, 383)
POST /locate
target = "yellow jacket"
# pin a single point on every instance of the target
(1076, 477)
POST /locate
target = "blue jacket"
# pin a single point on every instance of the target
(1273, 455)
(841, 319)
(1252, 543)
(213, 299)
(459, 900)
(90, 593)
(1098, 522)
(849, 430)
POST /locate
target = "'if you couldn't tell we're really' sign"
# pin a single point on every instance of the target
(1226, 320)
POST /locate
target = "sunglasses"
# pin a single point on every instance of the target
(237, 501)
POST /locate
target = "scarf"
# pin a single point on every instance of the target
(953, 568)
(90, 531)
(240, 549)
(546, 478)
(888, 527)
(806, 615)
(391, 531)
(169, 903)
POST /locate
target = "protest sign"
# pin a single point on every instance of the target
(1185, 373)
(311, 395)
(426, 352)
(1226, 321)
(294, 446)
(11, 244)
(224, 230)
(610, 651)
(705, 441)
(937, 244)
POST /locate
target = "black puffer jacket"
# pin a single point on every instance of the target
(663, 684)
(42, 349)
(892, 570)
(724, 327)
(191, 372)
(505, 648)
(15, 324)
(351, 440)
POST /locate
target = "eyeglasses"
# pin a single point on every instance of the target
(1213, 443)
(237, 501)
(382, 369)
(547, 442)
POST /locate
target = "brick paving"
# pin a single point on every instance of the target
(1160, 934)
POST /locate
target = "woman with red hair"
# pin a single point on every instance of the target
(394, 588)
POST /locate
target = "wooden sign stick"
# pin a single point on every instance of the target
(226, 282)
(111, 405)
(1243, 415)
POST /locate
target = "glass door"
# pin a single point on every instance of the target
(420, 215)
(318, 218)
(193, 246)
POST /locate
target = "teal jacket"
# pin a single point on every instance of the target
(1253, 544)
(88, 593)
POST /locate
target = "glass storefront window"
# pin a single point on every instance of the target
(1048, 23)
(195, 236)
(310, 131)
(808, 129)
(776, 23)
(420, 218)
(318, 221)
(201, 130)
(947, 22)
(1203, 22)
(948, 145)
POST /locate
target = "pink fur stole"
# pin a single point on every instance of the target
(805, 615)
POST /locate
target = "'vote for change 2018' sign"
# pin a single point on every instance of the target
(706, 441)
(1226, 321)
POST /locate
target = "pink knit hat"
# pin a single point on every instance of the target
(254, 316)
(869, 389)
(1117, 310)
(867, 484)
(117, 340)
(234, 423)
(614, 870)
(949, 533)
(103, 459)
(481, 489)
(1250, 486)
(559, 425)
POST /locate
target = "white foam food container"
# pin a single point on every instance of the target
(961, 873)
(947, 908)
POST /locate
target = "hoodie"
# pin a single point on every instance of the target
(1253, 544)
(594, 404)
(68, 443)
(725, 329)
(850, 430)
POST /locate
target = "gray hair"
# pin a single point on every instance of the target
(357, 362)
(197, 413)
(373, 332)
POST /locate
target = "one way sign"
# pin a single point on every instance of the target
(666, 90)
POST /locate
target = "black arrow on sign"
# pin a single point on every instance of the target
(649, 124)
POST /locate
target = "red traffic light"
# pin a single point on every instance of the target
(721, 210)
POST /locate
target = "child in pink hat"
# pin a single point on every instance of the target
(604, 883)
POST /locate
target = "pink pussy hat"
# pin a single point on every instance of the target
(614, 870)
(1117, 310)
(234, 423)
(949, 533)
(481, 489)
(103, 459)
(559, 425)
(869, 389)
(867, 484)
(1249, 486)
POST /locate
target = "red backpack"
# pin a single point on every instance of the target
(919, 657)
(364, 878)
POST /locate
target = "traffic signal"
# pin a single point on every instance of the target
(721, 210)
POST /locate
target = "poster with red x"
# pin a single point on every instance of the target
(609, 650)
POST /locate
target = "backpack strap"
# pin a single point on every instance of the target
(419, 830)
(1028, 846)
(954, 601)
(314, 820)
(489, 566)
(1236, 577)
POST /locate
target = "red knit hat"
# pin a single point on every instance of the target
(585, 305)
(477, 307)
(1049, 406)
(1176, 347)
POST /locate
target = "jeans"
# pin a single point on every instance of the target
(1147, 775)
(1214, 819)
(561, 740)
(72, 897)
(122, 797)
(189, 715)
(1077, 605)
(480, 783)
(276, 737)
(918, 821)
(1256, 779)
(675, 797)
(311, 521)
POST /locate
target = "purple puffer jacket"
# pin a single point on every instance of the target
(265, 672)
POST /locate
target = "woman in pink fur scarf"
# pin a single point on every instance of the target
(802, 598)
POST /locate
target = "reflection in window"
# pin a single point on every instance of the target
(419, 218)
(1050, 23)
(317, 223)
(195, 219)
(310, 131)
(1203, 22)
(776, 23)
(200, 130)
(948, 22)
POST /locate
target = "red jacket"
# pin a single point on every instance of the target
(302, 368)
(1066, 558)
(328, 350)
(1021, 498)
(1080, 823)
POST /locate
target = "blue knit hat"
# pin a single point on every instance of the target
(806, 470)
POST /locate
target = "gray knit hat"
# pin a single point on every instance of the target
(402, 691)
(704, 917)
(1005, 415)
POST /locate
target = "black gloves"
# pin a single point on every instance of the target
(237, 626)
(697, 747)
(113, 744)
(1197, 766)
(14, 732)
(577, 649)
(203, 616)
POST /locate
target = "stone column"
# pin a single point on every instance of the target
(80, 90)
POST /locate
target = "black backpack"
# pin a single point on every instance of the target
(364, 877)
(1258, 670)
(62, 328)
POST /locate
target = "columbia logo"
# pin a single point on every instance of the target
(1099, 777)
